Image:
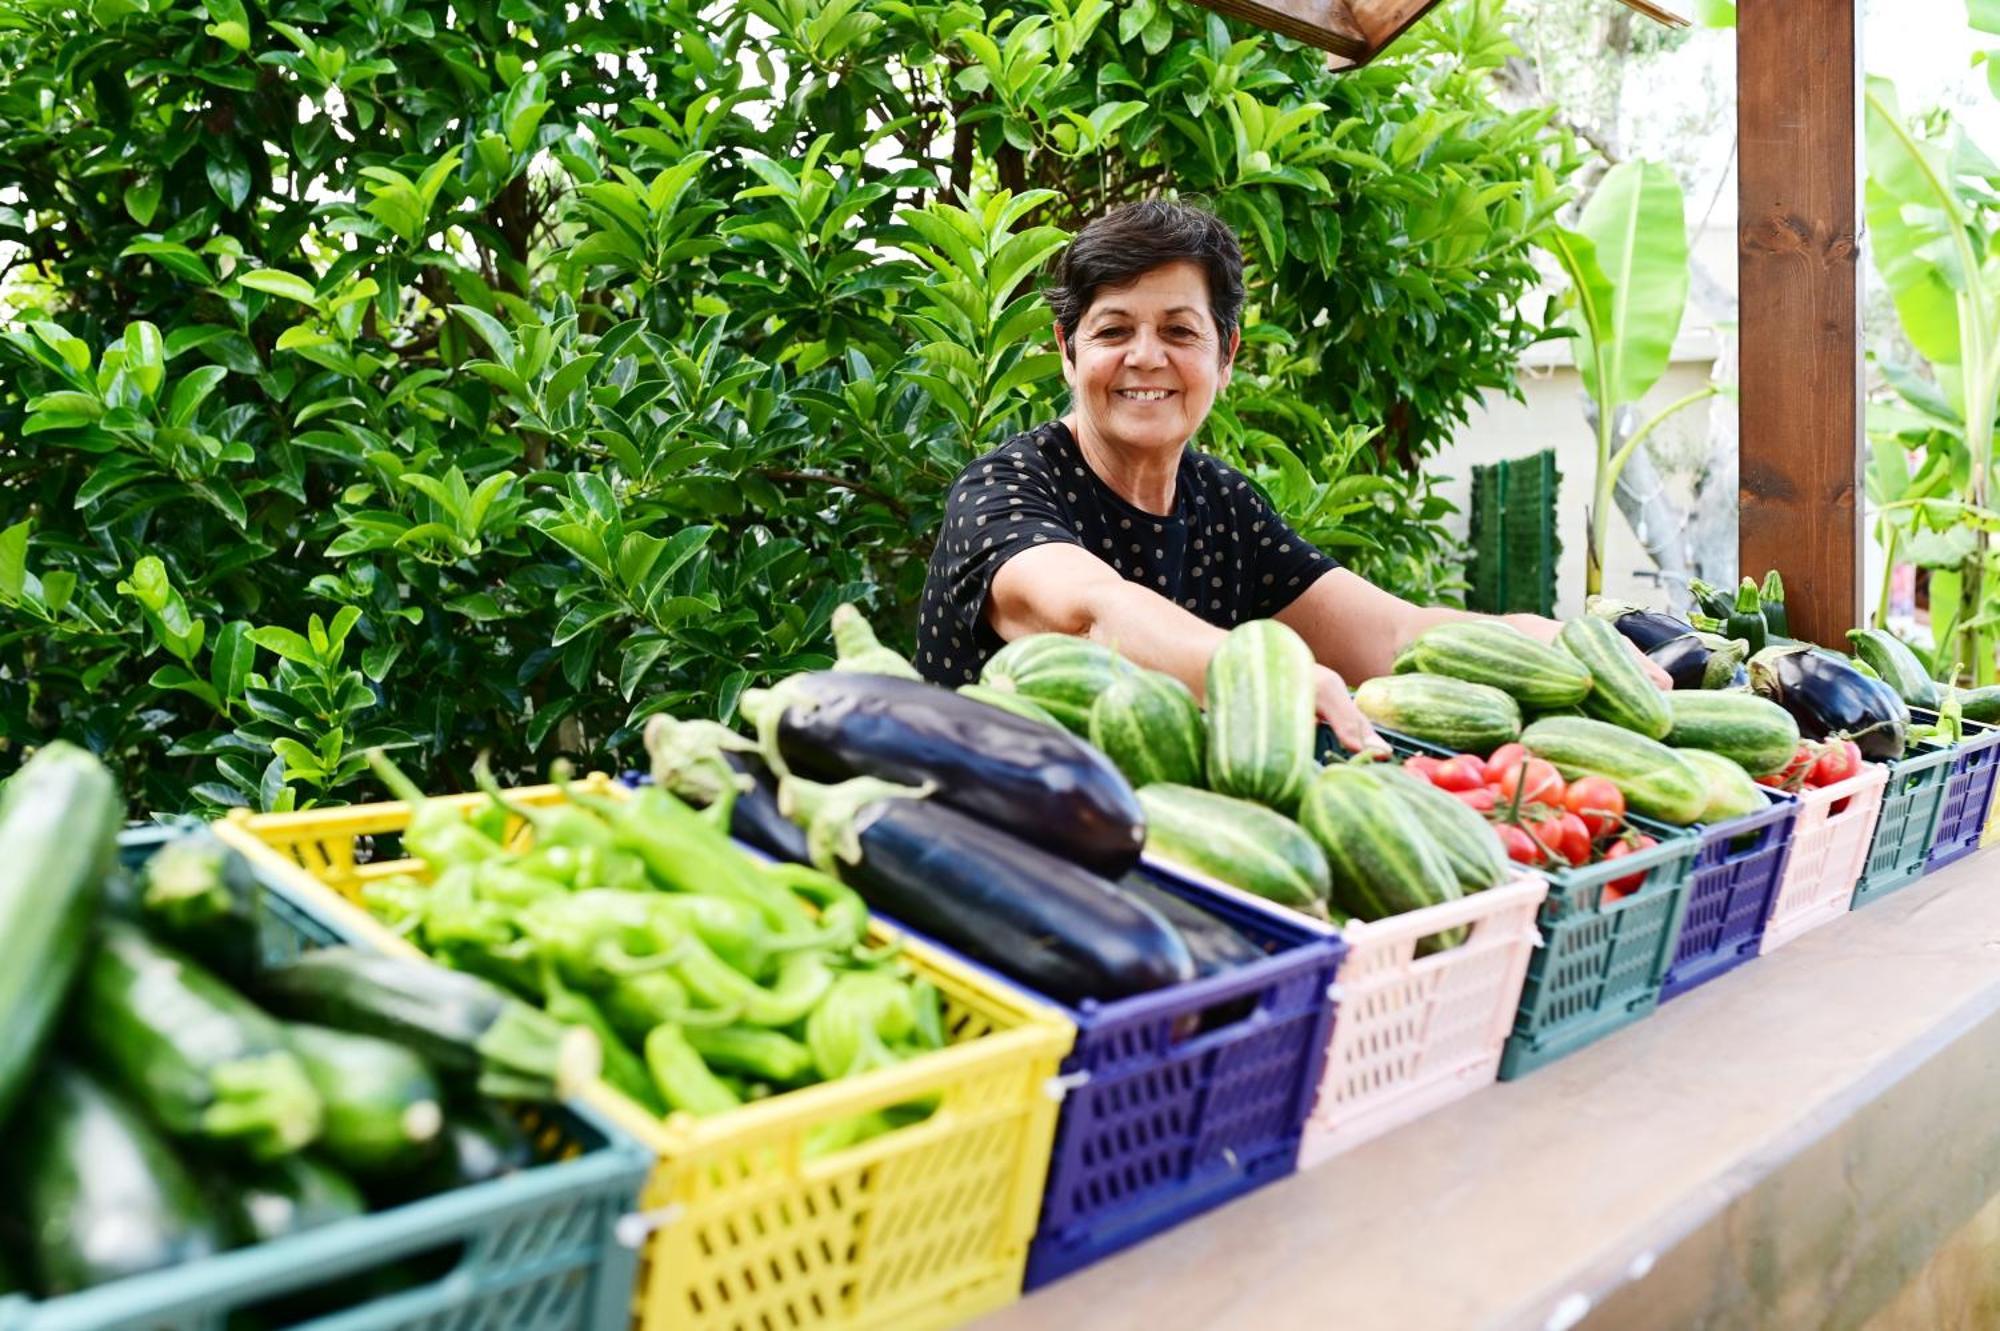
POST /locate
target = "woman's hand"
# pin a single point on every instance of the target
(1335, 706)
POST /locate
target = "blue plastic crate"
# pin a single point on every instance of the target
(1736, 875)
(534, 1250)
(1968, 792)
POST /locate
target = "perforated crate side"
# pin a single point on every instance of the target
(1736, 876)
(1829, 849)
(1912, 803)
(1968, 793)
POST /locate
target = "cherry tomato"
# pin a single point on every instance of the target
(1504, 759)
(1482, 800)
(1840, 760)
(1423, 765)
(1537, 781)
(1462, 773)
(1599, 803)
(1520, 847)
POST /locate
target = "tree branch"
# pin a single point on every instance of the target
(785, 474)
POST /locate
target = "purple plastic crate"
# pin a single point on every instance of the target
(1736, 875)
(1968, 792)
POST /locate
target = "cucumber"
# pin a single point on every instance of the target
(458, 1023)
(1384, 863)
(202, 1058)
(1017, 703)
(1655, 779)
(290, 1196)
(1755, 732)
(382, 1104)
(1469, 718)
(1487, 651)
(1981, 705)
(1261, 715)
(103, 1194)
(1891, 658)
(1236, 842)
(201, 896)
(1620, 692)
(1731, 792)
(59, 819)
(1061, 674)
(1467, 840)
(1150, 726)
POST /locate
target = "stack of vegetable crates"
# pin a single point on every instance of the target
(1912, 806)
(1968, 792)
(924, 1226)
(1737, 872)
(533, 1250)
(1413, 1029)
(1178, 1100)
(1836, 825)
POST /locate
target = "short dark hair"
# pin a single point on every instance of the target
(1116, 250)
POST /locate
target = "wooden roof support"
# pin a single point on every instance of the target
(1355, 31)
(1799, 222)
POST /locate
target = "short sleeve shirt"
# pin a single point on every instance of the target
(1223, 553)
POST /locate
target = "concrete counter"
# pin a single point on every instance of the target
(1787, 1146)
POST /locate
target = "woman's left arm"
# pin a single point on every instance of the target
(1355, 628)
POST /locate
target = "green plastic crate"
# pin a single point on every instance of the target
(1600, 967)
(535, 1250)
(1912, 805)
(1513, 535)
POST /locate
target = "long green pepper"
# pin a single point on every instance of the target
(437, 834)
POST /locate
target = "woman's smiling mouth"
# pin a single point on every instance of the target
(1145, 394)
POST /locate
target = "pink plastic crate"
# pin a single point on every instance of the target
(1829, 850)
(1411, 1034)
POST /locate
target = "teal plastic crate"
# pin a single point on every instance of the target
(537, 1249)
(1601, 965)
(1912, 805)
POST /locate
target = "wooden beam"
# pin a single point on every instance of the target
(1798, 230)
(1327, 24)
(1386, 20)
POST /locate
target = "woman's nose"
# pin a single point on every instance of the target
(1145, 349)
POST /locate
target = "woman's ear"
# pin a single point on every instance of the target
(1229, 360)
(1068, 361)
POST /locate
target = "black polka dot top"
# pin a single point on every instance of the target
(1223, 553)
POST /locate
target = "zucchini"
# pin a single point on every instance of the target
(291, 1195)
(478, 1144)
(1236, 842)
(1981, 704)
(1465, 717)
(1032, 916)
(59, 819)
(1384, 863)
(104, 1195)
(1026, 778)
(382, 1104)
(1656, 780)
(201, 1057)
(1261, 722)
(1619, 690)
(201, 896)
(1892, 659)
(1777, 623)
(1150, 726)
(1746, 617)
(458, 1023)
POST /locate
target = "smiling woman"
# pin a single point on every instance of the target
(1107, 524)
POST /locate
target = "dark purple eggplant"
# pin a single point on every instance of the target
(1029, 779)
(1684, 657)
(1213, 943)
(1645, 628)
(693, 759)
(1032, 916)
(754, 818)
(1828, 696)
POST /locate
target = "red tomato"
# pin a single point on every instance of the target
(1576, 839)
(1520, 847)
(1424, 766)
(1538, 782)
(1840, 760)
(1505, 758)
(1618, 850)
(1482, 800)
(1804, 759)
(1545, 826)
(1462, 773)
(1599, 803)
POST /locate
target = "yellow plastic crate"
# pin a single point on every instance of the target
(1992, 832)
(924, 1227)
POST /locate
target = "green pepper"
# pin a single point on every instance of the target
(510, 883)
(804, 978)
(608, 866)
(595, 936)
(843, 1133)
(843, 915)
(558, 825)
(764, 1054)
(437, 834)
(732, 930)
(622, 1068)
(397, 902)
(455, 917)
(850, 1031)
(684, 1081)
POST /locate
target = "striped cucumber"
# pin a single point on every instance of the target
(1891, 658)
(1655, 780)
(1487, 651)
(1471, 718)
(1731, 792)
(1261, 714)
(1150, 726)
(1757, 733)
(1383, 862)
(1620, 692)
(1236, 842)
(1466, 839)
(1020, 704)
(1060, 673)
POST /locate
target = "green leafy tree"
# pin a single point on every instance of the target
(482, 378)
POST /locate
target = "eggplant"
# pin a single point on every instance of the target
(1701, 661)
(1033, 916)
(1043, 785)
(1212, 941)
(695, 759)
(1647, 629)
(1828, 696)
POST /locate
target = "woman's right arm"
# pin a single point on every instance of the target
(1066, 589)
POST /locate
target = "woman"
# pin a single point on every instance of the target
(1106, 524)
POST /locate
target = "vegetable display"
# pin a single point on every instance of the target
(1261, 714)
(1441, 710)
(1538, 676)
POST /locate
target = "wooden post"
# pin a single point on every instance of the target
(1798, 237)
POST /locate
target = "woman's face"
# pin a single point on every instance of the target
(1146, 361)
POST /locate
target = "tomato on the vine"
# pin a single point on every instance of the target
(1520, 847)
(1504, 759)
(1576, 839)
(1536, 781)
(1482, 800)
(1423, 765)
(1840, 760)
(1803, 759)
(1459, 774)
(1618, 888)
(1599, 803)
